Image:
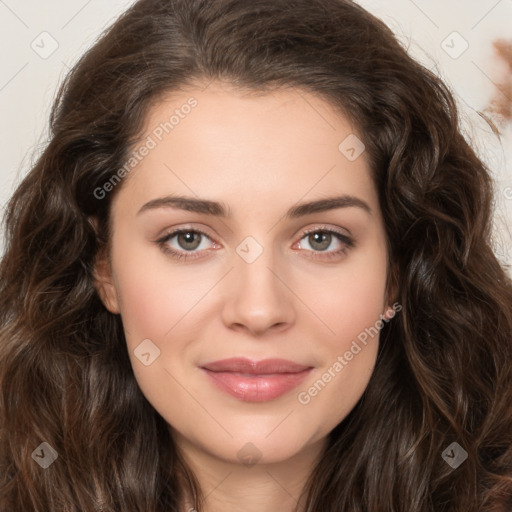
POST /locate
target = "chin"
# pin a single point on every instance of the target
(249, 449)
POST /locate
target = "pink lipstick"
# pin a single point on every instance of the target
(256, 381)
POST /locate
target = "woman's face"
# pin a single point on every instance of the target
(282, 255)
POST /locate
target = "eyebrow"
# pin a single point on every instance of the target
(217, 209)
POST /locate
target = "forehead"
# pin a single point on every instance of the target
(239, 145)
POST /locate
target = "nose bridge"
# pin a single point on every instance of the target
(258, 278)
(257, 298)
(255, 270)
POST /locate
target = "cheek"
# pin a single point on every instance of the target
(359, 308)
(348, 356)
(144, 305)
(351, 305)
(156, 305)
(353, 299)
(155, 295)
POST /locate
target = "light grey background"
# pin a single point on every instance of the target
(41, 40)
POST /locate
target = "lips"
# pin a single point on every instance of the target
(256, 381)
(266, 366)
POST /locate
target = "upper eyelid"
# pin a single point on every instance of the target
(176, 231)
(327, 230)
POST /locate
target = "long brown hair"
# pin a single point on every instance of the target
(444, 368)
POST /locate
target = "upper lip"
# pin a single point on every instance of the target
(265, 366)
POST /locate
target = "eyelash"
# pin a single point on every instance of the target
(347, 242)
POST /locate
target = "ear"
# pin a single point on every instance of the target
(104, 284)
(102, 272)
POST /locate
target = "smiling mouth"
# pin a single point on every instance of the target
(256, 381)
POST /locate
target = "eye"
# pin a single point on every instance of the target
(188, 243)
(325, 243)
(185, 243)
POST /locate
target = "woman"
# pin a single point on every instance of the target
(252, 270)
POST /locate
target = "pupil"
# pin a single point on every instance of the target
(189, 240)
(321, 238)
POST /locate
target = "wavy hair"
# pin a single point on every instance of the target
(444, 367)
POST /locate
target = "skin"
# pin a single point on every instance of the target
(258, 155)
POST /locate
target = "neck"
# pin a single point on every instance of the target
(231, 486)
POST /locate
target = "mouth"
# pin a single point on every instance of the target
(256, 381)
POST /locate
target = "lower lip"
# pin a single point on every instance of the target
(256, 388)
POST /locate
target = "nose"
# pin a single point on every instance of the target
(258, 299)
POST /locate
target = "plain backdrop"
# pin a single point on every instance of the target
(40, 41)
